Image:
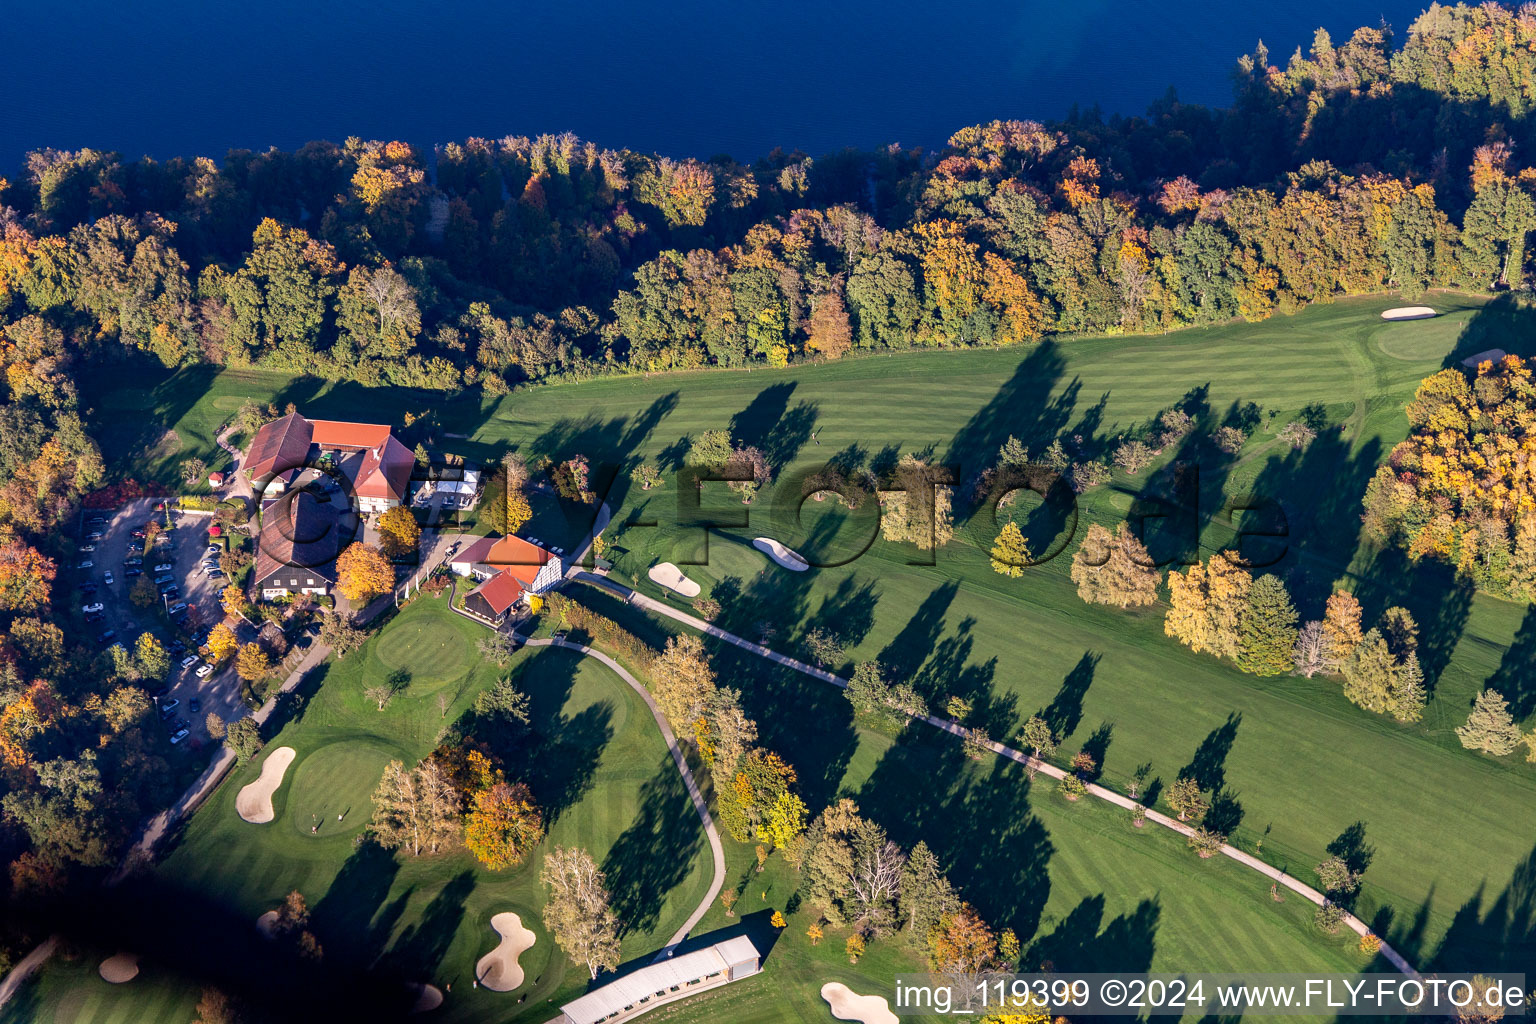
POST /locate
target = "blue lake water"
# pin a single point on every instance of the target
(197, 77)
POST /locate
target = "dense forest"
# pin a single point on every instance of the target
(1352, 168)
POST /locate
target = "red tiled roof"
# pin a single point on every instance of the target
(476, 552)
(280, 445)
(341, 434)
(386, 470)
(498, 593)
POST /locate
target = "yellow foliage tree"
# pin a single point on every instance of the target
(1206, 603)
(252, 663)
(221, 642)
(362, 573)
(399, 531)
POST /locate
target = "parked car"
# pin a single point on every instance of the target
(107, 576)
(177, 609)
(214, 549)
(170, 590)
(107, 637)
(98, 606)
(215, 574)
(87, 547)
(164, 577)
(93, 535)
(177, 647)
(189, 661)
(97, 521)
(87, 564)
(203, 671)
(168, 708)
(159, 691)
(138, 534)
(195, 705)
(133, 560)
(130, 573)
(94, 617)
(87, 588)
(179, 735)
(164, 567)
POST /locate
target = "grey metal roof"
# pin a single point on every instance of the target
(658, 978)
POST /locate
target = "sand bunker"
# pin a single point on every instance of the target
(498, 970)
(254, 802)
(671, 577)
(428, 997)
(849, 1005)
(120, 968)
(781, 554)
(267, 924)
(1409, 313)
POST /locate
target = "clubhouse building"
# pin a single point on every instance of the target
(374, 463)
(304, 527)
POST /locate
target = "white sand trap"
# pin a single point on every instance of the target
(671, 577)
(1409, 313)
(781, 554)
(267, 923)
(498, 970)
(120, 968)
(428, 997)
(1492, 355)
(849, 1005)
(254, 801)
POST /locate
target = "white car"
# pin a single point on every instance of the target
(164, 567)
(180, 735)
(189, 661)
(88, 609)
(107, 576)
(203, 671)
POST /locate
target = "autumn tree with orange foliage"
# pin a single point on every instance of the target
(26, 577)
(503, 824)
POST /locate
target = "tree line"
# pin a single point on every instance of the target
(1354, 168)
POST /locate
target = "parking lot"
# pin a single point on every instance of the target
(183, 548)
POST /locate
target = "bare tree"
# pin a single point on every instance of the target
(577, 912)
(1311, 653)
(391, 296)
(379, 693)
(415, 808)
(875, 880)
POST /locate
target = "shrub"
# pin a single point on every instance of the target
(1230, 440)
(1072, 787)
(1206, 843)
(707, 607)
(1329, 917)
(1370, 944)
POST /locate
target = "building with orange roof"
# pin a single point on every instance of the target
(374, 462)
(509, 569)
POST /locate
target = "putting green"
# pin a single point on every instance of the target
(1416, 340)
(339, 778)
(428, 650)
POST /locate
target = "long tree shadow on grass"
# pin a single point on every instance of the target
(344, 918)
(976, 819)
(1022, 407)
(1082, 942)
(655, 853)
(422, 945)
(554, 754)
(1516, 675)
(817, 738)
(1440, 603)
(1494, 934)
(1065, 711)
(769, 424)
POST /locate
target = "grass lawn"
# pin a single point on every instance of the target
(592, 755)
(1301, 764)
